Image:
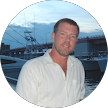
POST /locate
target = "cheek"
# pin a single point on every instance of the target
(73, 43)
(59, 40)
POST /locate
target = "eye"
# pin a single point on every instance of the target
(73, 36)
(62, 33)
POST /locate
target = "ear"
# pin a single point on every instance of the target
(53, 36)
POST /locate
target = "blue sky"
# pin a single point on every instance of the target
(44, 15)
(51, 11)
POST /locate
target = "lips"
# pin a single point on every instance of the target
(65, 45)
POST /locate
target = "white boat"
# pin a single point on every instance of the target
(95, 63)
(11, 66)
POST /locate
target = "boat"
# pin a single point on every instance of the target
(11, 66)
(95, 63)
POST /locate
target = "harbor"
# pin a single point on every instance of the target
(91, 51)
(29, 35)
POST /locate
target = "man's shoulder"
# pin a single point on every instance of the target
(76, 62)
(74, 59)
(33, 61)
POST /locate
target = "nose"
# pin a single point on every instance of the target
(67, 38)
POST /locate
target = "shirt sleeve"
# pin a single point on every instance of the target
(82, 83)
(28, 81)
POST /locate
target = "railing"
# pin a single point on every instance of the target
(11, 80)
(90, 55)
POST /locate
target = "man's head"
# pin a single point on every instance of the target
(64, 36)
(66, 20)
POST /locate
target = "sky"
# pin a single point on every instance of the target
(50, 11)
(47, 13)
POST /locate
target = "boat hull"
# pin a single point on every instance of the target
(90, 65)
(102, 65)
(12, 73)
(94, 64)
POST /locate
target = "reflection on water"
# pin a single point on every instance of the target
(92, 80)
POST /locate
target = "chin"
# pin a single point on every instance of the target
(64, 53)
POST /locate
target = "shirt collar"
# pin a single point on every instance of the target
(49, 60)
(47, 57)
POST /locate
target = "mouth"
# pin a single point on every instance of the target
(66, 46)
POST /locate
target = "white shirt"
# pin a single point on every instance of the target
(43, 82)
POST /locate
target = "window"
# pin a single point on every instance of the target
(4, 61)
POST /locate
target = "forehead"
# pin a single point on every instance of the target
(67, 27)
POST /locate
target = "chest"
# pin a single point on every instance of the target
(55, 86)
(64, 68)
(55, 80)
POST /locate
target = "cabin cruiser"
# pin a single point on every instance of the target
(11, 66)
(95, 63)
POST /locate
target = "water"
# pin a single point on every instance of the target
(92, 80)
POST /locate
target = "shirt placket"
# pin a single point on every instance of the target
(68, 85)
(65, 79)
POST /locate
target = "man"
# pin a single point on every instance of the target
(55, 79)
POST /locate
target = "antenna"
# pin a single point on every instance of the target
(32, 46)
(34, 25)
(25, 22)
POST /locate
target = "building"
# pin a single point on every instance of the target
(4, 48)
(90, 45)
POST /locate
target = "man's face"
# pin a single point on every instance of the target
(65, 38)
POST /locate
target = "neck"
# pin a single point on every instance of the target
(57, 58)
(61, 60)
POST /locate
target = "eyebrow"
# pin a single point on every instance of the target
(66, 32)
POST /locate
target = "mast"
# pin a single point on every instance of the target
(33, 48)
(30, 45)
